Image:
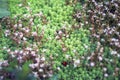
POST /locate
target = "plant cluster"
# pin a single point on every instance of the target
(44, 41)
(102, 19)
(27, 43)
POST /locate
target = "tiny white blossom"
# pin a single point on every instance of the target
(67, 56)
(34, 33)
(118, 55)
(37, 59)
(100, 58)
(40, 70)
(16, 34)
(27, 30)
(92, 64)
(77, 61)
(32, 52)
(85, 46)
(42, 65)
(60, 32)
(88, 58)
(43, 58)
(64, 49)
(106, 75)
(104, 69)
(20, 5)
(113, 52)
(24, 38)
(4, 47)
(74, 50)
(20, 34)
(32, 66)
(119, 24)
(15, 26)
(21, 52)
(58, 68)
(7, 32)
(31, 19)
(36, 64)
(8, 50)
(57, 37)
(20, 25)
(44, 75)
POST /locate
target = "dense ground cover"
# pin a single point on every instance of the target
(51, 40)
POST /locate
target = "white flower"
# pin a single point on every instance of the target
(25, 15)
(20, 25)
(119, 24)
(31, 19)
(8, 50)
(60, 32)
(67, 36)
(32, 66)
(1, 77)
(29, 49)
(32, 23)
(36, 64)
(4, 47)
(74, 50)
(85, 46)
(101, 50)
(24, 38)
(34, 33)
(57, 37)
(20, 5)
(21, 52)
(15, 26)
(76, 63)
(16, 51)
(64, 49)
(40, 70)
(42, 65)
(104, 69)
(7, 32)
(43, 58)
(118, 55)
(67, 56)
(40, 14)
(92, 64)
(37, 59)
(106, 75)
(16, 34)
(100, 58)
(20, 34)
(27, 30)
(44, 75)
(88, 58)
(44, 50)
(113, 52)
(82, 24)
(117, 43)
(58, 68)
(32, 52)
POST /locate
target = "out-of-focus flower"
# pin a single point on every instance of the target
(92, 64)
(105, 75)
